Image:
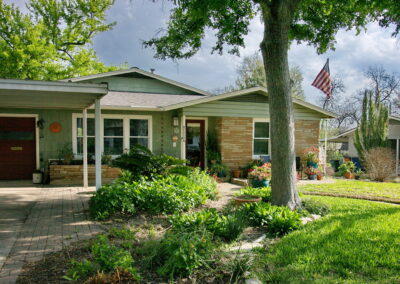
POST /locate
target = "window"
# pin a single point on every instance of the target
(139, 132)
(113, 136)
(90, 136)
(119, 132)
(261, 141)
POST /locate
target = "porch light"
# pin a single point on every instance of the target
(175, 121)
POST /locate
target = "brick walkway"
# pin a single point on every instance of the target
(53, 219)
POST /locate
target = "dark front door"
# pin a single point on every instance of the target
(17, 148)
(195, 143)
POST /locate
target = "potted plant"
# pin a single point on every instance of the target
(347, 169)
(213, 157)
(236, 173)
(37, 177)
(311, 173)
(260, 176)
(218, 171)
(357, 174)
(249, 167)
(320, 175)
(310, 156)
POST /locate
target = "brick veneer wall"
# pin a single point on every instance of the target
(235, 138)
(306, 135)
(73, 174)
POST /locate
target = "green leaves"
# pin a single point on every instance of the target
(53, 40)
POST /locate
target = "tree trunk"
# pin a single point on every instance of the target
(274, 47)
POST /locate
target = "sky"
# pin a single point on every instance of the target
(138, 20)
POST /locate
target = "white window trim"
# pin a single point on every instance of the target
(126, 134)
(254, 130)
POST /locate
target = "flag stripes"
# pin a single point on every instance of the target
(323, 80)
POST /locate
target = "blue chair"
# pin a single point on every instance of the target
(357, 163)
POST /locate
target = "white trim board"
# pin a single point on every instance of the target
(37, 137)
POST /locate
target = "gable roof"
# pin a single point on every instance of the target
(141, 72)
(260, 90)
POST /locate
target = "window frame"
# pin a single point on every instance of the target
(126, 130)
(266, 120)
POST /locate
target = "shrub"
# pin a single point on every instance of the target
(278, 220)
(178, 254)
(263, 192)
(161, 195)
(379, 163)
(313, 206)
(141, 162)
(226, 227)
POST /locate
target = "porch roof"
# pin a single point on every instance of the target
(46, 94)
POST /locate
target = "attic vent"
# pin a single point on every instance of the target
(152, 70)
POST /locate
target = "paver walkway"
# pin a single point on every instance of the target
(36, 221)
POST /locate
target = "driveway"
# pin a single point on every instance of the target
(38, 220)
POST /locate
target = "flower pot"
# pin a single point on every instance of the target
(312, 177)
(349, 175)
(320, 177)
(236, 173)
(259, 183)
(312, 165)
(246, 199)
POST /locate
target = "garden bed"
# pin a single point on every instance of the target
(73, 174)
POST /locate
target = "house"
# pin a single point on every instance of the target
(141, 107)
(344, 142)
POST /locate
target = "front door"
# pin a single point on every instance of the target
(17, 148)
(195, 142)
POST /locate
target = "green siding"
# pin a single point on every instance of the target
(140, 85)
(244, 109)
(50, 143)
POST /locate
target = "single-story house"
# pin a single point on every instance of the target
(344, 142)
(138, 107)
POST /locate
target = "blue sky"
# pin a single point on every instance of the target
(139, 20)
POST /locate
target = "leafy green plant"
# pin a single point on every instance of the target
(348, 167)
(106, 160)
(314, 206)
(227, 227)
(278, 220)
(179, 254)
(160, 195)
(105, 258)
(141, 162)
(263, 192)
(125, 233)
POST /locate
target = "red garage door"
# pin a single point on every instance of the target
(17, 148)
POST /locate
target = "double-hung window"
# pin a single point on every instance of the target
(261, 138)
(118, 133)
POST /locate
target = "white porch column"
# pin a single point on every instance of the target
(397, 156)
(85, 155)
(183, 137)
(98, 142)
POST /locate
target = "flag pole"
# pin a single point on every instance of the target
(326, 146)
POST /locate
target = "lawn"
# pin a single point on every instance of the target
(359, 189)
(357, 242)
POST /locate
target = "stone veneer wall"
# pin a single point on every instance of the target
(306, 135)
(73, 174)
(235, 138)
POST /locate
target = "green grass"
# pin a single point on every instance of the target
(369, 190)
(358, 242)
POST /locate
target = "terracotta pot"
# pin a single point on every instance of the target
(349, 175)
(320, 177)
(246, 199)
(236, 173)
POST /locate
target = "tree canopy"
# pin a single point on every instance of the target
(251, 73)
(315, 22)
(52, 40)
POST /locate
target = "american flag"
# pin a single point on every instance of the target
(323, 80)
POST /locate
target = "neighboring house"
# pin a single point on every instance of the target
(344, 142)
(165, 116)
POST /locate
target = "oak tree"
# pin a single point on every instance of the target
(313, 21)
